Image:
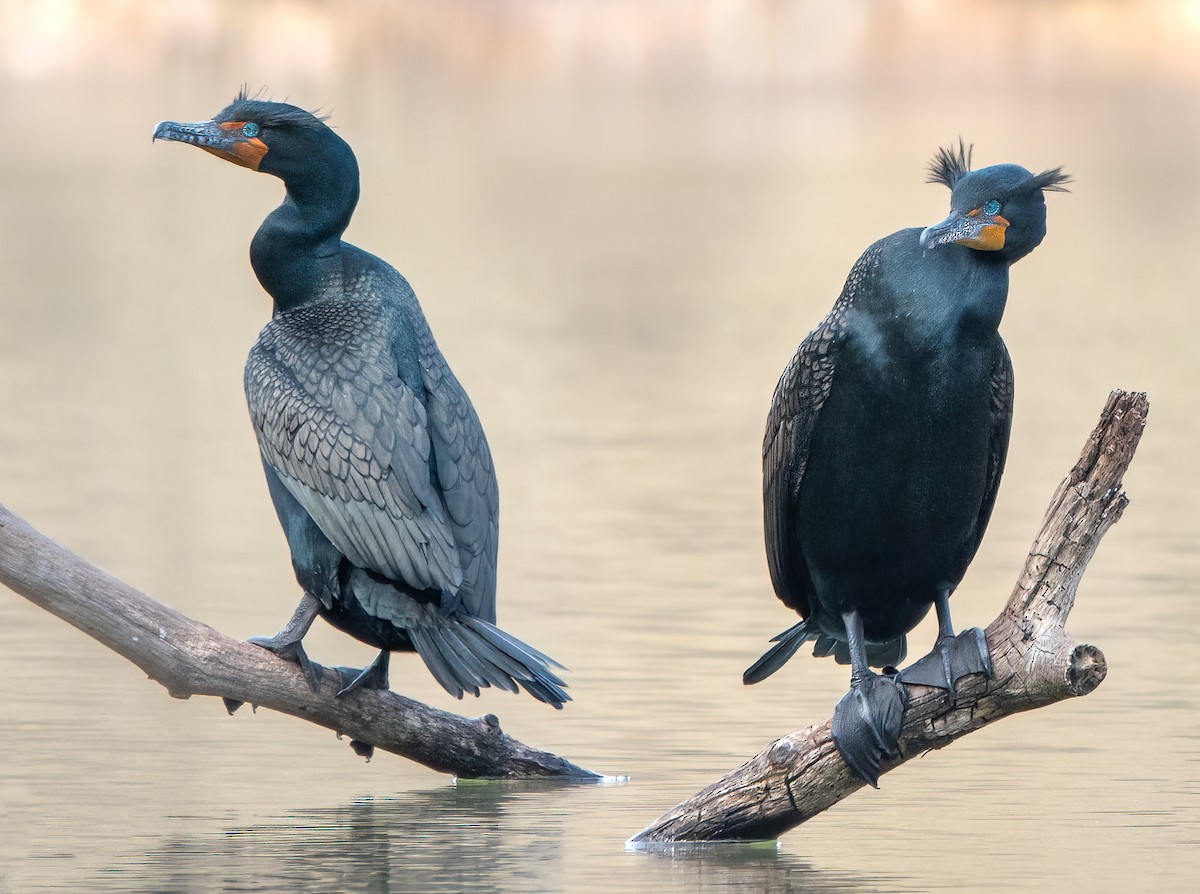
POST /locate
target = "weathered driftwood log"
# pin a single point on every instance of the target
(190, 658)
(1036, 663)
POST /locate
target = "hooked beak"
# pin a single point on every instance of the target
(974, 229)
(224, 139)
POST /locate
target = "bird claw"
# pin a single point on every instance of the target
(374, 676)
(292, 650)
(866, 724)
(951, 659)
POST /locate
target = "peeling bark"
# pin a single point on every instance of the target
(1036, 664)
(190, 658)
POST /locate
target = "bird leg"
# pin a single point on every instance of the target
(951, 657)
(286, 643)
(866, 722)
(375, 676)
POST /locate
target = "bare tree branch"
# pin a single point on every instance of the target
(190, 658)
(1036, 663)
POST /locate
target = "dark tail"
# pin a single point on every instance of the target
(878, 654)
(776, 657)
(467, 654)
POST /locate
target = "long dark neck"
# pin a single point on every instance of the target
(936, 298)
(297, 247)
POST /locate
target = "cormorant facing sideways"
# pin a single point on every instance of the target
(884, 447)
(374, 457)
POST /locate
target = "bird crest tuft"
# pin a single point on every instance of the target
(265, 111)
(1052, 180)
(243, 94)
(950, 165)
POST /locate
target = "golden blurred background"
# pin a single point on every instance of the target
(621, 217)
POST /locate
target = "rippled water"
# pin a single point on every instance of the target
(621, 218)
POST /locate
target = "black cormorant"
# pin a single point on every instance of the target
(885, 444)
(375, 459)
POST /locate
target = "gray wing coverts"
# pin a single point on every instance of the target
(467, 480)
(357, 448)
(799, 396)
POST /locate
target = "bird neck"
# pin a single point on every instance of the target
(298, 246)
(967, 293)
(936, 299)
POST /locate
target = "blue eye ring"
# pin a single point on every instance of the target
(992, 207)
(251, 130)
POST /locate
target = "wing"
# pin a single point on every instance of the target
(351, 442)
(802, 391)
(467, 479)
(1000, 418)
(797, 403)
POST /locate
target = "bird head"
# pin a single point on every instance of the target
(996, 209)
(271, 137)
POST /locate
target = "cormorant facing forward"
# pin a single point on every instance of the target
(374, 457)
(885, 444)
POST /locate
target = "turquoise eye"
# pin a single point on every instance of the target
(992, 207)
(251, 130)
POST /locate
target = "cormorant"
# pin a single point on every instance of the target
(374, 457)
(884, 447)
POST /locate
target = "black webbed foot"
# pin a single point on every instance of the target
(374, 676)
(866, 724)
(291, 650)
(951, 659)
(286, 643)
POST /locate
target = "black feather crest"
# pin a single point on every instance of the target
(1052, 180)
(266, 112)
(950, 165)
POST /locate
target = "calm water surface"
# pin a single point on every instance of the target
(620, 218)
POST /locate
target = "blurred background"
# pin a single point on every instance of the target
(621, 218)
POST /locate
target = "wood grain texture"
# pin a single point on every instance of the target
(190, 658)
(1036, 664)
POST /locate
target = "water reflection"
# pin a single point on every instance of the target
(464, 837)
(761, 867)
(478, 837)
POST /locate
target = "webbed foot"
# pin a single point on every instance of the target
(374, 676)
(951, 659)
(286, 643)
(866, 724)
(291, 650)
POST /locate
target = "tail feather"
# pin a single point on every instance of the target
(474, 661)
(506, 667)
(465, 654)
(777, 656)
(883, 654)
(433, 659)
(827, 645)
(461, 663)
(549, 694)
(508, 642)
(878, 654)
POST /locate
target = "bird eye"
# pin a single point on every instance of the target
(992, 207)
(251, 130)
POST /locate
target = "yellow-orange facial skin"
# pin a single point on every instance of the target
(245, 152)
(974, 229)
(990, 237)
